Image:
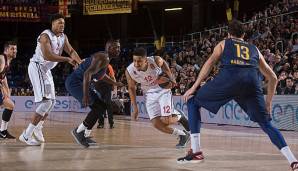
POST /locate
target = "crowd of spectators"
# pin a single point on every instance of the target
(274, 34)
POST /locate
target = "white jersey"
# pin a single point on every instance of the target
(148, 78)
(57, 44)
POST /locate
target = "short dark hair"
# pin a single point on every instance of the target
(111, 41)
(8, 43)
(140, 51)
(56, 17)
(236, 28)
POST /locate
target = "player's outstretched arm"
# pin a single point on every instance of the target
(132, 94)
(272, 81)
(206, 69)
(71, 52)
(47, 51)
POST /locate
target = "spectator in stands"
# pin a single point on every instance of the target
(290, 87)
(175, 65)
(22, 92)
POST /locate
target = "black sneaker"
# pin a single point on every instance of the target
(90, 141)
(6, 135)
(99, 126)
(183, 140)
(112, 126)
(80, 137)
(191, 157)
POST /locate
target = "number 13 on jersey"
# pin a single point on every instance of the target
(242, 51)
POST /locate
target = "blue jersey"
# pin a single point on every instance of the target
(79, 72)
(238, 79)
(238, 53)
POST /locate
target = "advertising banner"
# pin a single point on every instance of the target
(284, 112)
(94, 7)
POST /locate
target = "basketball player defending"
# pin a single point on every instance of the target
(50, 45)
(10, 52)
(78, 84)
(237, 80)
(145, 70)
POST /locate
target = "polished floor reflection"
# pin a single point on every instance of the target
(137, 146)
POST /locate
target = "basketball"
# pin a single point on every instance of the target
(164, 82)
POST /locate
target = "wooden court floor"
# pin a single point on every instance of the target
(137, 146)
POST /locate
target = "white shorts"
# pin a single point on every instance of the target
(42, 82)
(159, 103)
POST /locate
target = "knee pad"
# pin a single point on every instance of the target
(44, 107)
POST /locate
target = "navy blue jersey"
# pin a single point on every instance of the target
(238, 53)
(79, 72)
(238, 79)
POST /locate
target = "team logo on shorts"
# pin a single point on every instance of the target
(152, 66)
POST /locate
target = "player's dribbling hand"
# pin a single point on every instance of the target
(188, 94)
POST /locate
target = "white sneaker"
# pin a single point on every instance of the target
(29, 140)
(37, 133)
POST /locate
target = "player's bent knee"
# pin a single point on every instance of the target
(44, 107)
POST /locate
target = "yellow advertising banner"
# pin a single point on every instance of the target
(93, 7)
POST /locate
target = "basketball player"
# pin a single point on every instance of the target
(237, 80)
(50, 45)
(78, 85)
(10, 52)
(145, 70)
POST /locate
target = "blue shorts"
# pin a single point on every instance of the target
(74, 85)
(242, 85)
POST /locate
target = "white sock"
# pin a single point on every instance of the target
(39, 125)
(178, 132)
(87, 132)
(29, 130)
(3, 125)
(195, 142)
(81, 128)
(286, 151)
